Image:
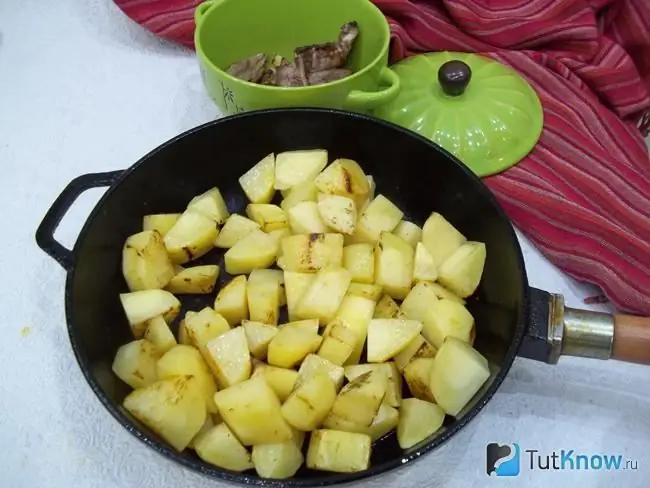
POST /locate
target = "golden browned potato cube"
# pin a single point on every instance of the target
(140, 306)
(447, 318)
(257, 250)
(295, 285)
(145, 263)
(394, 265)
(230, 357)
(305, 192)
(252, 410)
(306, 253)
(417, 304)
(369, 291)
(359, 260)
(277, 461)
(291, 345)
(220, 447)
(359, 400)
(336, 423)
(232, 300)
(417, 348)
(462, 271)
(381, 215)
(323, 297)
(355, 312)
(192, 236)
(293, 168)
(458, 373)
(385, 421)
(186, 361)
(174, 409)
(338, 344)
(211, 204)
(310, 325)
(417, 374)
(183, 337)
(159, 334)
(263, 293)
(310, 402)
(417, 421)
(440, 238)
(259, 335)
(258, 182)
(386, 308)
(408, 231)
(442, 292)
(338, 451)
(339, 213)
(199, 280)
(207, 425)
(202, 327)
(160, 222)
(269, 217)
(281, 380)
(135, 363)
(388, 337)
(313, 365)
(277, 275)
(394, 380)
(425, 268)
(344, 177)
(234, 230)
(304, 218)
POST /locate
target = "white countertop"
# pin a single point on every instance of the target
(82, 89)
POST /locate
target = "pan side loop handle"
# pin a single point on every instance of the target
(45, 232)
(631, 339)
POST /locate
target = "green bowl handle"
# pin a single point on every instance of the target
(203, 8)
(363, 100)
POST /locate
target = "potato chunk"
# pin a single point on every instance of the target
(442, 292)
(305, 218)
(140, 306)
(417, 374)
(295, 285)
(322, 298)
(145, 263)
(263, 294)
(369, 291)
(417, 304)
(259, 335)
(277, 461)
(291, 345)
(305, 192)
(293, 168)
(197, 280)
(355, 312)
(385, 421)
(388, 337)
(447, 318)
(192, 236)
(394, 265)
(269, 217)
(252, 410)
(281, 380)
(220, 447)
(232, 301)
(314, 365)
(135, 363)
(211, 204)
(381, 215)
(338, 451)
(201, 328)
(234, 230)
(359, 400)
(310, 402)
(359, 260)
(159, 334)
(258, 182)
(417, 421)
(462, 271)
(338, 344)
(256, 250)
(425, 268)
(339, 213)
(394, 380)
(417, 348)
(230, 357)
(344, 177)
(174, 409)
(386, 308)
(312, 252)
(440, 238)
(408, 231)
(160, 222)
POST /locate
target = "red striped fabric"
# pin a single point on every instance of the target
(582, 196)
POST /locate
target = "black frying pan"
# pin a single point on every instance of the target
(511, 317)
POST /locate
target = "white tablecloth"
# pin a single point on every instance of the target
(83, 89)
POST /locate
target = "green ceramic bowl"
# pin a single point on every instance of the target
(230, 30)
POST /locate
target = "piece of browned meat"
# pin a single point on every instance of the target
(292, 74)
(331, 55)
(327, 76)
(250, 69)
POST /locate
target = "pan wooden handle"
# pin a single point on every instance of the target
(631, 339)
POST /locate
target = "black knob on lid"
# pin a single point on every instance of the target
(454, 76)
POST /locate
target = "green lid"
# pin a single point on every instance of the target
(480, 110)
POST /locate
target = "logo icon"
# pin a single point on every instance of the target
(502, 459)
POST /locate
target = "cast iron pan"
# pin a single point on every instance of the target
(420, 177)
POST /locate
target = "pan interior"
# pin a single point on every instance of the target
(416, 175)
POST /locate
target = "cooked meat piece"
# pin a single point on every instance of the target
(292, 74)
(321, 57)
(320, 77)
(249, 69)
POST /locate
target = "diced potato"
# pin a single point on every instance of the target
(199, 280)
(263, 293)
(314, 365)
(311, 252)
(385, 421)
(192, 236)
(140, 306)
(323, 297)
(310, 402)
(186, 361)
(339, 213)
(417, 304)
(355, 313)
(234, 230)
(394, 265)
(336, 423)
(359, 260)
(394, 386)
(425, 268)
(202, 327)
(417, 374)
(256, 250)
(230, 357)
(381, 215)
(252, 410)
(173, 409)
(293, 168)
(440, 238)
(371, 187)
(417, 348)
(145, 263)
(310, 325)
(183, 337)
(207, 425)
(278, 235)
(386, 308)
(159, 334)
(211, 204)
(417, 421)
(291, 345)
(344, 177)
(259, 335)
(269, 217)
(160, 222)
(232, 301)
(277, 461)
(304, 218)
(388, 337)
(295, 285)
(442, 292)
(408, 231)
(305, 192)
(258, 182)
(135, 363)
(462, 271)
(359, 400)
(371, 292)
(458, 373)
(220, 447)
(338, 451)
(447, 318)
(281, 380)
(338, 344)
